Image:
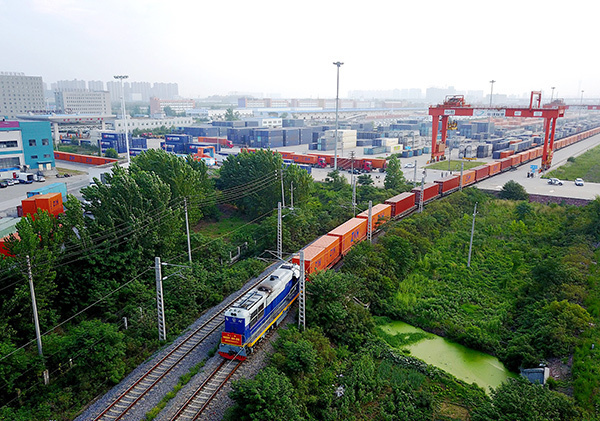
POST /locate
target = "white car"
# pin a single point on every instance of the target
(579, 182)
(409, 165)
(555, 182)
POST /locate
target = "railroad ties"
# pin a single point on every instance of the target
(200, 399)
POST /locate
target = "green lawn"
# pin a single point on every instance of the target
(454, 165)
(586, 166)
(217, 229)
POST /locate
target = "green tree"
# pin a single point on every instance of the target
(270, 396)
(252, 181)
(186, 178)
(111, 153)
(513, 191)
(365, 180)
(231, 115)
(169, 112)
(518, 399)
(394, 177)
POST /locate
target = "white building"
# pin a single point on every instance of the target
(147, 124)
(83, 102)
(20, 94)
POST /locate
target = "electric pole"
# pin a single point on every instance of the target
(160, 305)
(302, 295)
(370, 226)
(187, 230)
(279, 232)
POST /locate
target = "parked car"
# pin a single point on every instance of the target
(579, 181)
(3, 184)
(12, 181)
(555, 182)
(409, 165)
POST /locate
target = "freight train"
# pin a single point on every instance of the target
(265, 306)
(260, 309)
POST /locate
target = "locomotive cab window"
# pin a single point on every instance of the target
(257, 314)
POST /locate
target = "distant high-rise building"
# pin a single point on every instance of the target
(165, 90)
(114, 87)
(139, 91)
(20, 94)
(97, 102)
(95, 85)
(70, 85)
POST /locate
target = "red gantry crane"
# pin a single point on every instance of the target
(455, 106)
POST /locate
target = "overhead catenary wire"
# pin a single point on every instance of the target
(237, 192)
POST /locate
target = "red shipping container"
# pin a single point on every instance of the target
(430, 192)
(448, 184)
(468, 177)
(286, 155)
(321, 254)
(515, 160)
(28, 206)
(377, 162)
(380, 214)
(505, 163)
(505, 154)
(350, 233)
(482, 172)
(401, 203)
(494, 167)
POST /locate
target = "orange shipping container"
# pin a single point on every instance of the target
(494, 167)
(515, 160)
(468, 177)
(380, 214)
(350, 233)
(51, 202)
(505, 163)
(323, 253)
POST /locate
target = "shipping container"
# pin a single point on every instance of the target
(380, 214)
(402, 203)
(430, 191)
(468, 177)
(350, 233)
(305, 159)
(50, 202)
(506, 154)
(448, 184)
(321, 254)
(505, 164)
(494, 167)
(50, 188)
(515, 160)
(482, 172)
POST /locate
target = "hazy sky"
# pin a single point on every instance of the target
(287, 47)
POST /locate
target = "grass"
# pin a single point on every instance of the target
(83, 150)
(183, 380)
(586, 166)
(454, 165)
(217, 229)
(63, 171)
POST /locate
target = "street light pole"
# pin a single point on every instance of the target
(120, 78)
(580, 106)
(491, 96)
(337, 102)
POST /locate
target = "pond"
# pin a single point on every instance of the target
(464, 363)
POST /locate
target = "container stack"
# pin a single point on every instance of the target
(291, 136)
(483, 151)
(267, 138)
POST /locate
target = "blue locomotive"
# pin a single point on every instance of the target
(261, 308)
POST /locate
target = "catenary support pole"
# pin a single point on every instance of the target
(187, 230)
(279, 232)
(370, 225)
(302, 295)
(162, 329)
(36, 321)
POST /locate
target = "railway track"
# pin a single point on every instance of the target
(197, 403)
(151, 378)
